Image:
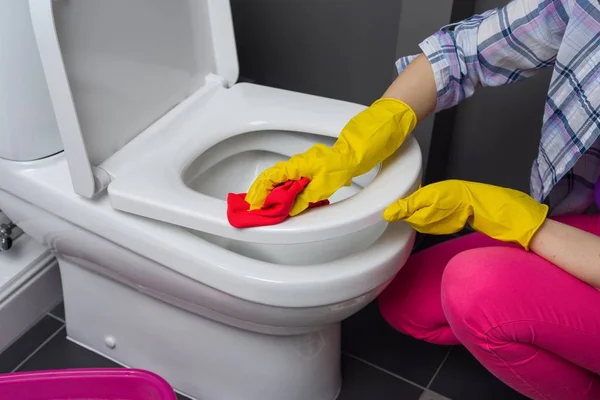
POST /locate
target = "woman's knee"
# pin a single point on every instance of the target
(476, 284)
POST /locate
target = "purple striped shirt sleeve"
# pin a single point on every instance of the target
(495, 48)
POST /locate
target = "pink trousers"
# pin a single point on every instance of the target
(531, 324)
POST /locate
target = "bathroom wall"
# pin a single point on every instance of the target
(497, 131)
(343, 49)
(346, 49)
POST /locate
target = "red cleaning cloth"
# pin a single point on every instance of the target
(276, 209)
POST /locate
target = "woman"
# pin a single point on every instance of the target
(521, 294)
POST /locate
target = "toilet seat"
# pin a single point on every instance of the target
(153, 187)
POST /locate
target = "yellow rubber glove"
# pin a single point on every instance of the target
(368, 139)
(446, 207)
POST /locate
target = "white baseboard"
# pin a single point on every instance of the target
(30, 286)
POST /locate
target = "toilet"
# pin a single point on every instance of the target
(154, 131)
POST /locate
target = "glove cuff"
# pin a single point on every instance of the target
(525, 242)
(395, 106)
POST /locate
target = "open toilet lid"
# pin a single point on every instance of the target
(115, 67)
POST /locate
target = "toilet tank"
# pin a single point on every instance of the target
(28, 129)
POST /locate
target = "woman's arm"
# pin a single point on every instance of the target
(416, 87)
(575, 251)
(495, 48)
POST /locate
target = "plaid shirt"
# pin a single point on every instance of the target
(513, 42)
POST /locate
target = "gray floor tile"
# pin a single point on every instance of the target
(59, 311)
(367, 336)
(363, 382)
(59, 353)
(11, 357)
(429, 395)
(462, 377)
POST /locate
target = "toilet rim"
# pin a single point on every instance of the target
(136, 190)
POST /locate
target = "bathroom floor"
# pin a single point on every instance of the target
(378, 362)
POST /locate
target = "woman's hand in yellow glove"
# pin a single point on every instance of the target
(446, 207)
(368, 139)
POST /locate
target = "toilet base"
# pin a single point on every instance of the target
(199, 357)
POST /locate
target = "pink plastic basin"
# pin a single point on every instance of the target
(85, 384)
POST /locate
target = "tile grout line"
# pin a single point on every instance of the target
(34, 352)
(25, 331)
(437, 371)
(385, 371)
(56, 318)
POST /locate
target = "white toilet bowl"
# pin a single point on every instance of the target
(153, 275)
